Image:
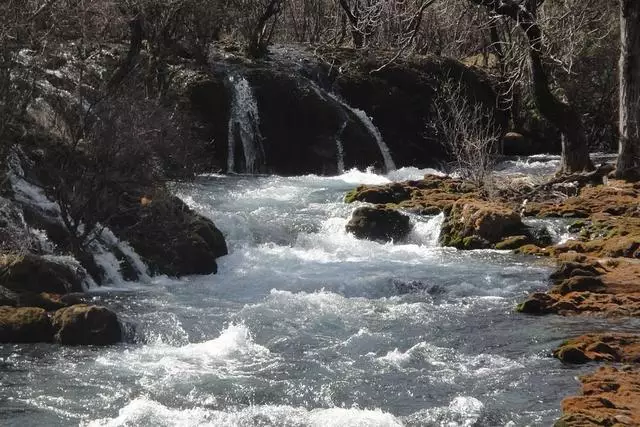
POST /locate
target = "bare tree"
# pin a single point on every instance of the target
(257, 21)
(467, 131)
(628, 165)
(575, 152)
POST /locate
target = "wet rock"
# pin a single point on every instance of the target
(414, 286)
(170, 237)
(513, 242)
(571, 354)
(393, 193)
(610, 346)
(476, 224)
(86, 325)
(379, 224)
(33, 273)
(580, 284)
(538, 303)
(25, 325)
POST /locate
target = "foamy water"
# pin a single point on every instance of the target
(307, 326)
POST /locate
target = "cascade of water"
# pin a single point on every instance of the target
(111, 241)
(244, 125)
(103, 247)
(366, 121)
(340, 148)
(373, 130)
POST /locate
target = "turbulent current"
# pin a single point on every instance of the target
(306, 326)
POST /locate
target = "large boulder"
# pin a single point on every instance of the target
(25, 325)
(477, 224)
(379, 224)
(86, 325)
(33, 273)
(170, 237)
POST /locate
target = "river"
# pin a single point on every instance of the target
(306, 326)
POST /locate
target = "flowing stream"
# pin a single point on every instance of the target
(306, 326)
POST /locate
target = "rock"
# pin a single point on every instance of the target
(379, 224)
(538, 303)
(513, 242)
(393, 193)
(170, 237)
(86, 325)
(610, 347)
(25, 325)
(476, 224)
(571, 354)
(33, 273)
(610, 397)
(580, 284)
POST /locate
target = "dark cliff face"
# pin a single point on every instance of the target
(309, 118)
(400, 99)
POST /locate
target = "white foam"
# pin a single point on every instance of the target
(426, 233)
(233, 349)
(144, 411)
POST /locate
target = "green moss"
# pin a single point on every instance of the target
(351, 196)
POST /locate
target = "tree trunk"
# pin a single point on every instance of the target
(356, 35)
(575, 150)
(628, 165)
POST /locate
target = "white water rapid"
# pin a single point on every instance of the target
(306, 326)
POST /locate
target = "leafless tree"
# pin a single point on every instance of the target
(467, 131)
(575, 152)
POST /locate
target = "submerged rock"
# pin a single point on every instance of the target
(86, 325)
(379, 224)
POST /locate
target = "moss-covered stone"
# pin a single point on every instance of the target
(86, 325)
(33, 273)
(25, 325)
(476, 224)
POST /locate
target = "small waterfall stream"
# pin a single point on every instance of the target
(244, 127)
(108, 251)
(366, 121)
(340, 147)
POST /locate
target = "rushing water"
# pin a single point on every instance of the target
(306, 326)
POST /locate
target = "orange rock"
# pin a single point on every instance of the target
(610, 397)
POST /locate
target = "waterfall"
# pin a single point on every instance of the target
(110, 253)
(340, 148)
(244, 125)
(372, 129)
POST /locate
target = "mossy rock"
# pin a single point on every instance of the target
(477, 224)
(33, 273)
(513, 242)
(86, 325)
(25, 325)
